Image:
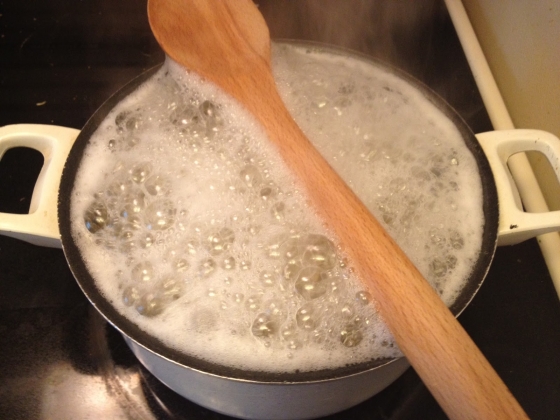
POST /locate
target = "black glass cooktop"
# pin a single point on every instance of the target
(60, 360)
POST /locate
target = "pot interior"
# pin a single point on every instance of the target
(105, 307)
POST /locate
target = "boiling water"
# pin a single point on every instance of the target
(195, 230)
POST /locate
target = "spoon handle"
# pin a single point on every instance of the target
(442, 353)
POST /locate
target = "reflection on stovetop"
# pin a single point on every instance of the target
(60, 360)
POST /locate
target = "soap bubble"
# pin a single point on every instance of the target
(363, 297)
(134, 203)
(208, 109)
(181, 265)
(351, 335)
(207, 267)
(157, 185)
(183, 115)
(456, 240)
(451, 261)
(319, 252)
(245, 265)
(438, 267)
(96, 216)
(228, 263)
(278, 211)
(274, 308)
(140, 172)
(273, 249)
(306, 317)
(150, 305)
(130, 295)
(437, 237)
(346, 310)
(128, 142)
(253, 302)
(310, 284)
(146, 240)
(119, 188)
(170, 288)
(268, 193)
(292, 249)
(267, 278)
(127, 240)
(291, 270)
(264, 326)
(160, 215)
(291, 337)
(143, 272)
(220, 241)
(250, 176)
(120, 119)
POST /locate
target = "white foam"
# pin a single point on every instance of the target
(212, 259)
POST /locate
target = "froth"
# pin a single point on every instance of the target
(194, 229)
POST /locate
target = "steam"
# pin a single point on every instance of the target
(386, 30)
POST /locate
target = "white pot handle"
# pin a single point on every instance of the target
(515, 224)
(40, 226)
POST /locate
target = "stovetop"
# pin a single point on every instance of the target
(60, 360)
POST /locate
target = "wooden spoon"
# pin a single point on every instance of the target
(227, 42)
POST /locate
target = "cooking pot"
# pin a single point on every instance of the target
(257, 395)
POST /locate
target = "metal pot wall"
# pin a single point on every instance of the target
(254, 395)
